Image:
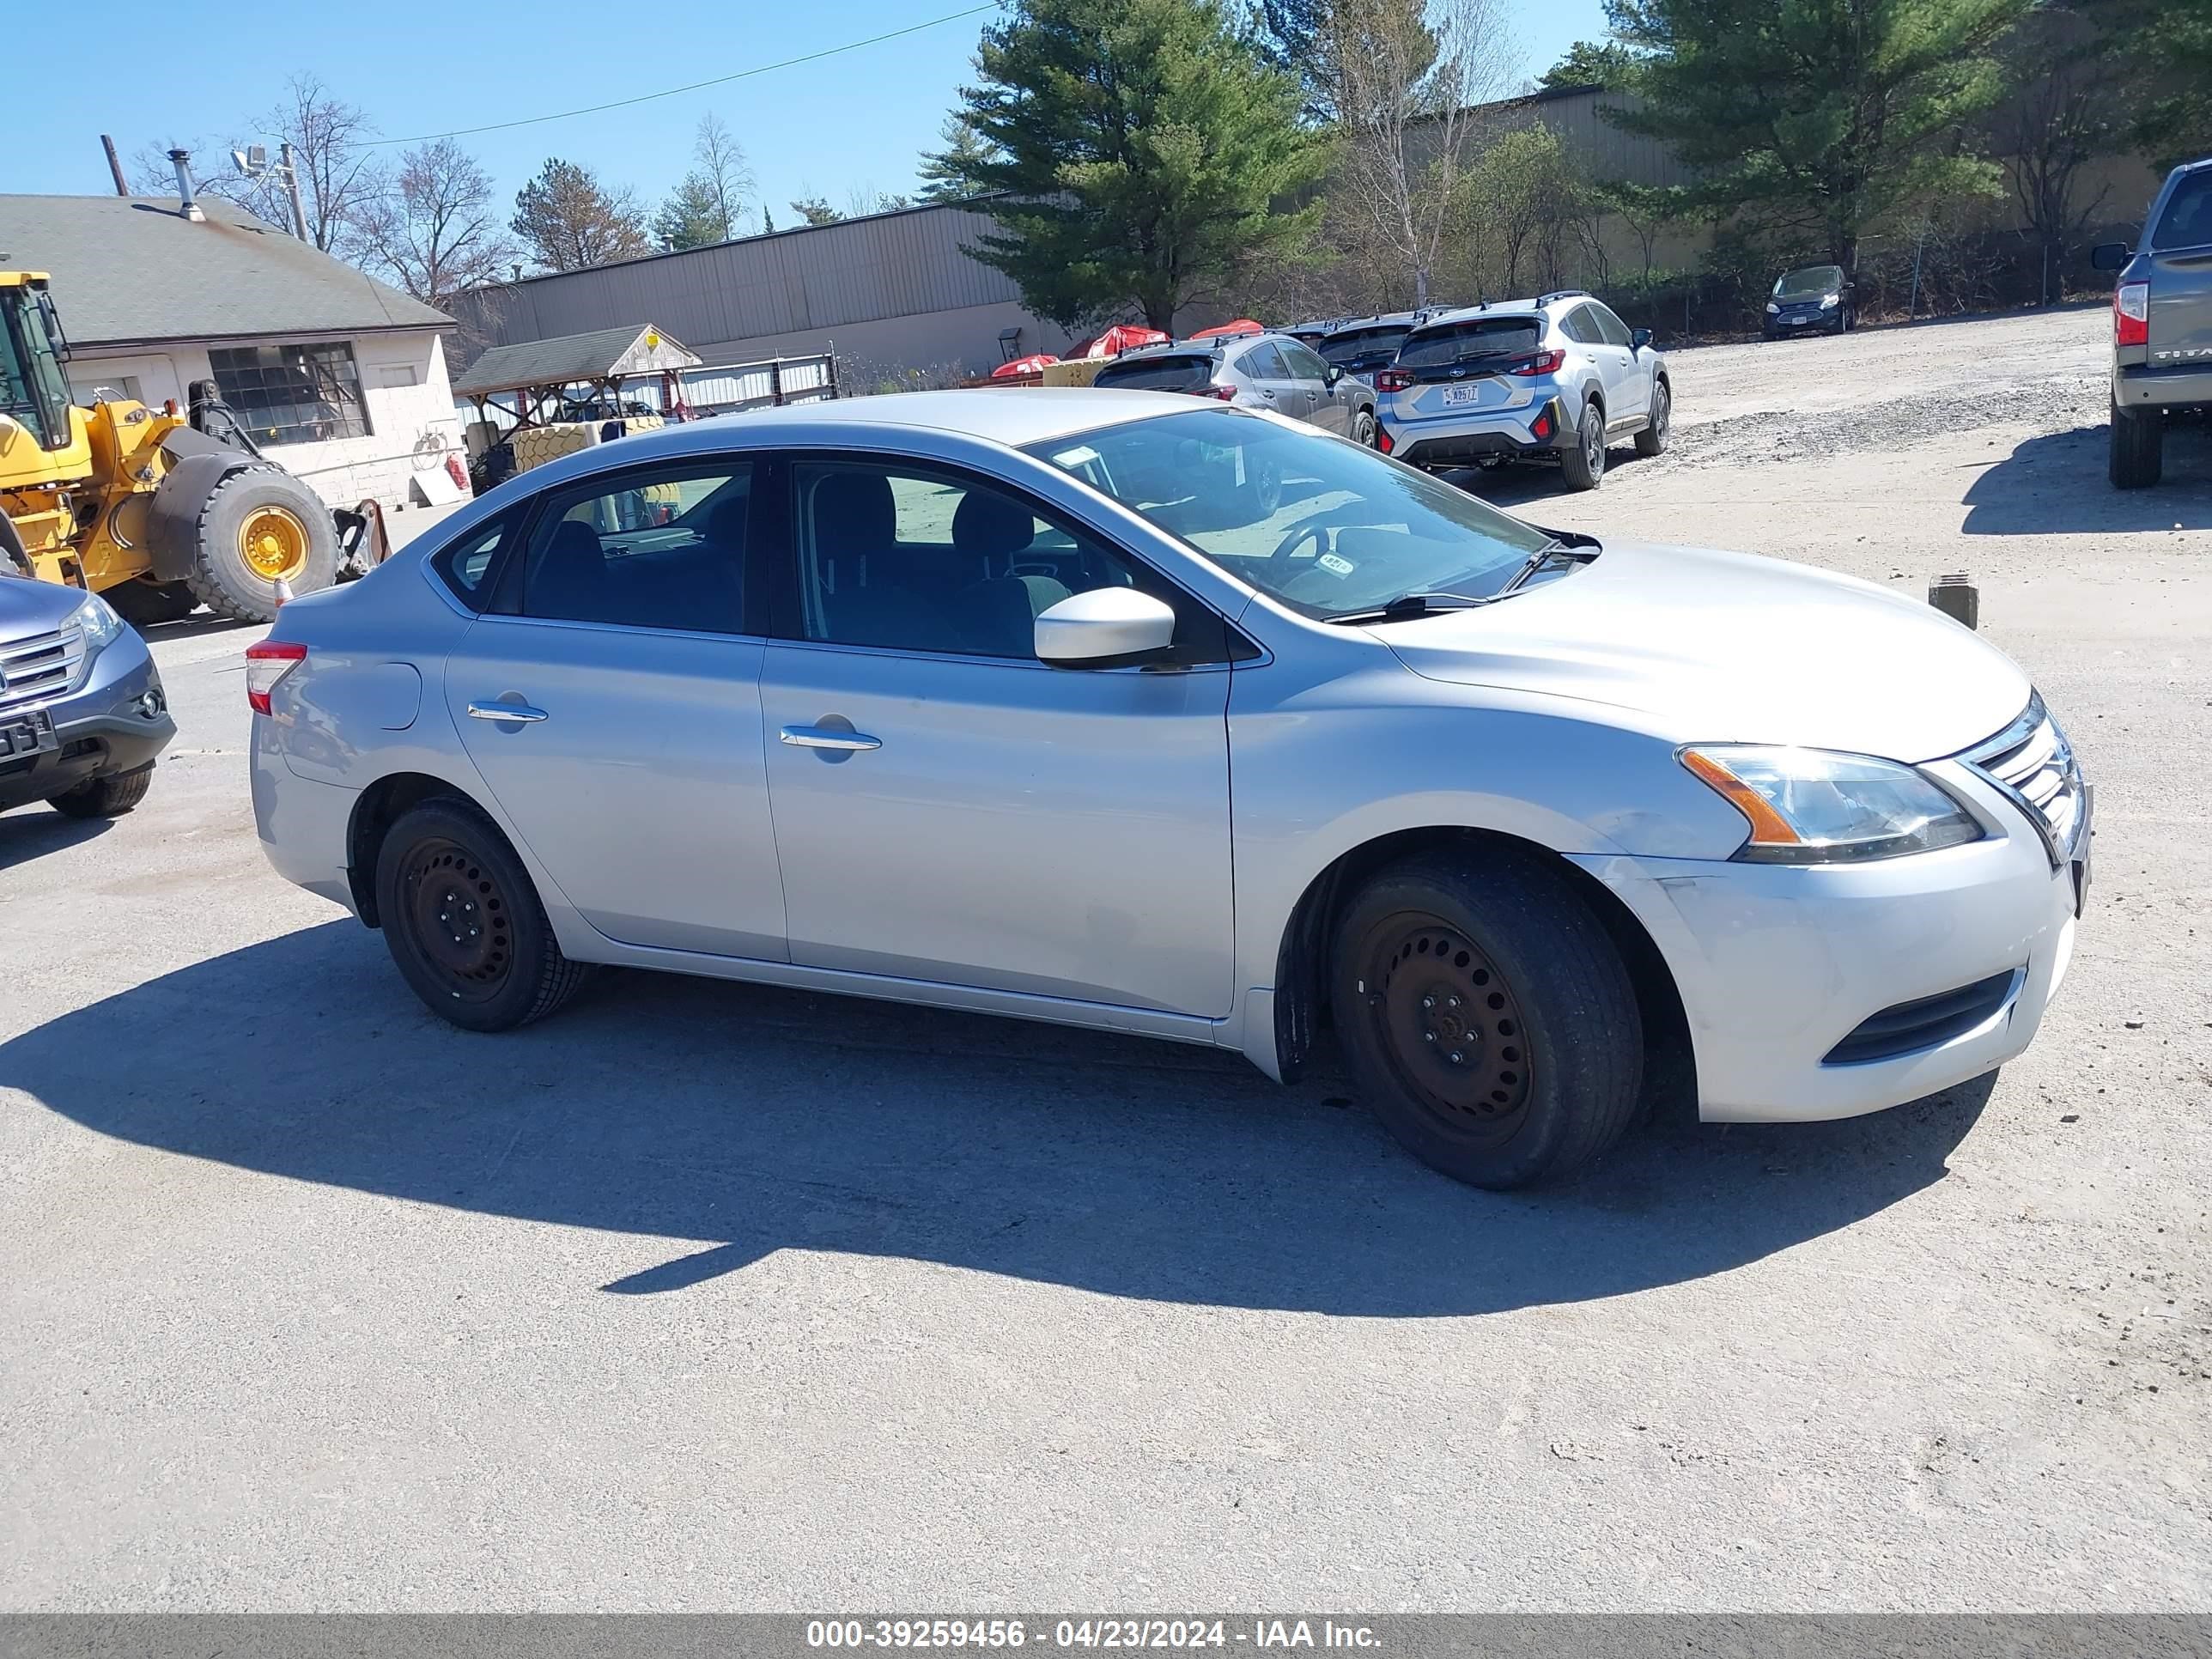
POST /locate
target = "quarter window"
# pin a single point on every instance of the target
(663, 548)
(292, 394)
(911, 560)
(466, 565)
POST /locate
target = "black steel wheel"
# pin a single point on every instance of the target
(1488, 1015)
(464, 923)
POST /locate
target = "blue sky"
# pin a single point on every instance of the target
(857, 120)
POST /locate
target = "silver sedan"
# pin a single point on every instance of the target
(1103, 708)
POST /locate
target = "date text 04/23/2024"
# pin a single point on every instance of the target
(1119, 1632)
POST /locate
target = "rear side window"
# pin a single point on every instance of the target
(1185, 374)
(1263, 362)
(1614, 332)
(1481, 339)
(663, 548)
(1581, 325)
(2187, 221)
(1301, 363)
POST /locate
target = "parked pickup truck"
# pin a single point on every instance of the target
(2161, 322)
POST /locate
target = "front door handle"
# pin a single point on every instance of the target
(828, 737)
(521, 712)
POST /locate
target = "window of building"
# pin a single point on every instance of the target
(292, 394)
(396, 375)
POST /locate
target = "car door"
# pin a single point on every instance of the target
(631, 765)
(950, 809)
(1329, 407)
(1628, 396)
(1270, 377)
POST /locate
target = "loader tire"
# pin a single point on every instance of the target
(255, 526)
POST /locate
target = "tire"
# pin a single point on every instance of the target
(1364, 429)
(2137, 455)
(145, 603)
(491, 968)
(224, 579)
(1549, 1063)
(108, 797)
(1652, 440)
(1583, 466)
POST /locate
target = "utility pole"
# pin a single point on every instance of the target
(114, 164)
(291, 187)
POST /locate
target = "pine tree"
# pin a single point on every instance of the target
(1813, 118)
(1139, 148)
(570, 220)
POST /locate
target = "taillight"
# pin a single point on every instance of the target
(266, 664)
(1393, 379)
(1226, 393)
(2132, 314)
(1544, 362)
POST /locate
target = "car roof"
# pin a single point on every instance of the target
(1214, 347)
(1501, 308)
(1382, 319)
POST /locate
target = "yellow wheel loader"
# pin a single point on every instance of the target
(139, 505)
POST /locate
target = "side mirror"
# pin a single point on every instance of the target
(1332, 374)
(2110, 255)
(1639, 338)
(1104, 628)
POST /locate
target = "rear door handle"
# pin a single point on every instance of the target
(828, 737)
(521, 712)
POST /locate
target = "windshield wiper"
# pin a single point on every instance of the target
(1575, 549)
(1406, 607)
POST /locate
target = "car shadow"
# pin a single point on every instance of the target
(734, 1121)
(2055, 485)
(194, 626)
(32, 832)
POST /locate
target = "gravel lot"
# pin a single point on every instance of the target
(703, 1297)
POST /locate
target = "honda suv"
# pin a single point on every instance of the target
(82, 713)
(1272, 372)
(2162, 323)
(1553, 378)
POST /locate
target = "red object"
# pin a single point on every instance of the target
(265, 664)
(1226, 393)
(2132, 314)
(1394, 379)
(457, 472)
(1033, 364)
(1542, 429)
(1229, 331)
(1544, 362)
(1383, 440)
(1122, 337)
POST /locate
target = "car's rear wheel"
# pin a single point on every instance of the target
(464, 922)
(1652, 440)
(1488, 1017)
(108, 797)
(1584, 465)
(2137, 454)
(1363, 430)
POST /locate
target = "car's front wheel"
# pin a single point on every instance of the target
(464, 923)
(1488, 1017)
(1583, 465)
(108, 797)
(2138, 445)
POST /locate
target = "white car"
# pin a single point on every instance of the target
(1121, 710)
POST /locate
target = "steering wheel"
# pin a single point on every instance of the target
(1316, 528)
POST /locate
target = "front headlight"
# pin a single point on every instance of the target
(1830, 301)
(99, 622)
(1773, 308)
(1814, 806)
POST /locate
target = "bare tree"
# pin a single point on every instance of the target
(2063, 112)
(436, 231)
(723, 169)
(1406, 81)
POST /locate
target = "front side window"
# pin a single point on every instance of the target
(1349, 530)
(33, 391)
(292, 394)
(908, 559)
(660, 548)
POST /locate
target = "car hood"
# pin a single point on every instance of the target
(1718, 647)
(28, 606)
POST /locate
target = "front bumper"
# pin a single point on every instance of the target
(1532, 431)
(1777, 964)
(1806, 320)
(119, 722)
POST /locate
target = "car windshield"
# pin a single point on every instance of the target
(1324, 527)
(1810, 284)
(1478, 341)
(1356, 345)
(1178, 373)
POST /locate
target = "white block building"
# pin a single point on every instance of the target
(339, 378)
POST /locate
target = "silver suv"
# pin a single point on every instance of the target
(2162, 323)
(1255, 371)
(1552, 379)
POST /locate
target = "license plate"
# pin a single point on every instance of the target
(28, 734)
(1462, 394)
(1795, 322)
